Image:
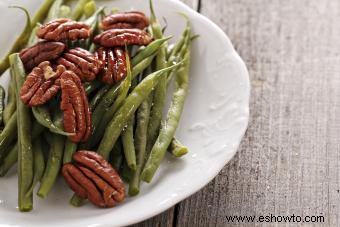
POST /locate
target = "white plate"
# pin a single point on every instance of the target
(213, 123)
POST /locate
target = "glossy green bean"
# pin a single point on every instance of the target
(141, 66)
(149, 50)
(2, 104)
(25, 153)
(177, 149)
(69, 150)
(143, 117)
(11, 100)
(169, 127)
(12, 156)
(127, 109)
(8, 135)
(79, 9)
(128, 144)
(54, 162)
(42, 115)
(19, 43)
(39, 163)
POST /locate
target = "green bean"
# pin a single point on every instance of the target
(2, 103)
(8, 135)
(42, 12)
(90, 8)
(76, 201)
(42, 115)
(11, 100)
(19, 43)
(177, 149)
(25, 154)
(39, 163)
(127, 109)
(92, 86)
(70, 148)
(12, 156)
(54, 161)
(141, 66)
(169, 127)
(143, 116)
(98, 96)
(65, 11)
(79, 9)
(54, 10)
(149, 50)
(128, 144)
(159, 94)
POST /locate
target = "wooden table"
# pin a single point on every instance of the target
(288, 161)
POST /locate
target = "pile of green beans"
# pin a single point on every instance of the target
(128, 128)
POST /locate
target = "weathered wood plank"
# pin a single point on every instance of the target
(288, 163)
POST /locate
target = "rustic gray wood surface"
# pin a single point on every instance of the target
(288, 161)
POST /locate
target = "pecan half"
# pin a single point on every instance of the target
(132, 19)
(113, 63)
(75, 106)
(64, 29)
(82, 62)
(42, 51)
(41, 84)
(121, 37)
(92, 177)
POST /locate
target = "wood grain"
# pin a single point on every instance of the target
(288, 162)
